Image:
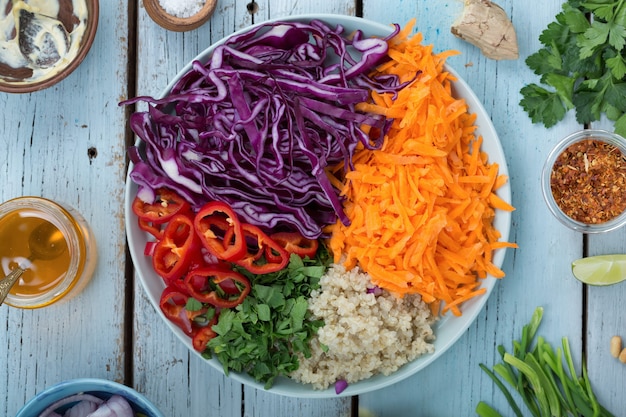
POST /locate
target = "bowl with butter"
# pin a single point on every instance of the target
(42, 42)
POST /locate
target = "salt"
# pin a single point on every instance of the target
(182, 8)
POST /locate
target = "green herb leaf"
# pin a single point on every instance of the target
(588, 106)
(602, 9)
(594, 37)
(543, 106)
(263, 311)
(617, 66)
(620, 125)
(564, 87)
(545, 61)
(582, 61)
(575, 20)
(193, 305)
(263, 335)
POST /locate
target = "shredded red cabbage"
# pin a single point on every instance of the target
(376, 290)
(258, 125)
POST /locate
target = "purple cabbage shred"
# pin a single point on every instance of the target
(340, 386)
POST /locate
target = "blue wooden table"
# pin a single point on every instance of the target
(68, 143)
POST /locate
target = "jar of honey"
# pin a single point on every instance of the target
(52, 275)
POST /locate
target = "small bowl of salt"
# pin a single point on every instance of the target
(180, 15)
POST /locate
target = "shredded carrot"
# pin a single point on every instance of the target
(422, 207)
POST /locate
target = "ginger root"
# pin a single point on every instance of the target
(485, 24)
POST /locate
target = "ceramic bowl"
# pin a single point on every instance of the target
(169, 21)
(576, 223)
(100, 388)
(447, 330)
(24, 76)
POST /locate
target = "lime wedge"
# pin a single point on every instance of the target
(600, 269)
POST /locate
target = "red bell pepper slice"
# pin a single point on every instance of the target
(294, 242)
(177, 249)
(154, 229)
(220, 231)
(262, 243)
(178, 284)
(166, 205)
(217, 286)
(172, 304)
(203, 335)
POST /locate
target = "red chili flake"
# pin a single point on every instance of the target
(588, 181)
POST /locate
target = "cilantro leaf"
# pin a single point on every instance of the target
(615, 94)
(582, 65)
(620, 15)
(545, 61)
(587, 106)
(564, 87)
(575, 19)
(555, 32)
(612, 112)
(617, 33)
(542, 106)
(620, 125)
(594, 37)
(617, 65)
(603, 10)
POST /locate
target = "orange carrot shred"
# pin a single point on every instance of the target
(421, 208)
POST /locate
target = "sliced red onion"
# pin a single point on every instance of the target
(51, 410)
(340, 385)
(82, 409)
(116, 406)
(88, 405)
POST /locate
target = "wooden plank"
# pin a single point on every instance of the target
(604, 320)
(184, 385)
(537, 272)
(66, 143)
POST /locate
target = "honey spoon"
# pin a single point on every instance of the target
(45, 242)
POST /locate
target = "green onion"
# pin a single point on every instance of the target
(545, 379)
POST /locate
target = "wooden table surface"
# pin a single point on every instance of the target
(68, 143)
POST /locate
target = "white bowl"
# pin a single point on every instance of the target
(447, 330)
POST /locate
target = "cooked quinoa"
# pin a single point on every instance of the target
(364, 333)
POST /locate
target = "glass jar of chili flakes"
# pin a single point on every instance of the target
(584, 181)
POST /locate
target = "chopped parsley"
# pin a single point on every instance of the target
(263, 335)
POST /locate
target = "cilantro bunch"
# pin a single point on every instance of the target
(582, 65)
(263, 334)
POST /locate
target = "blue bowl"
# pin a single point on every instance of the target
(101, 388)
